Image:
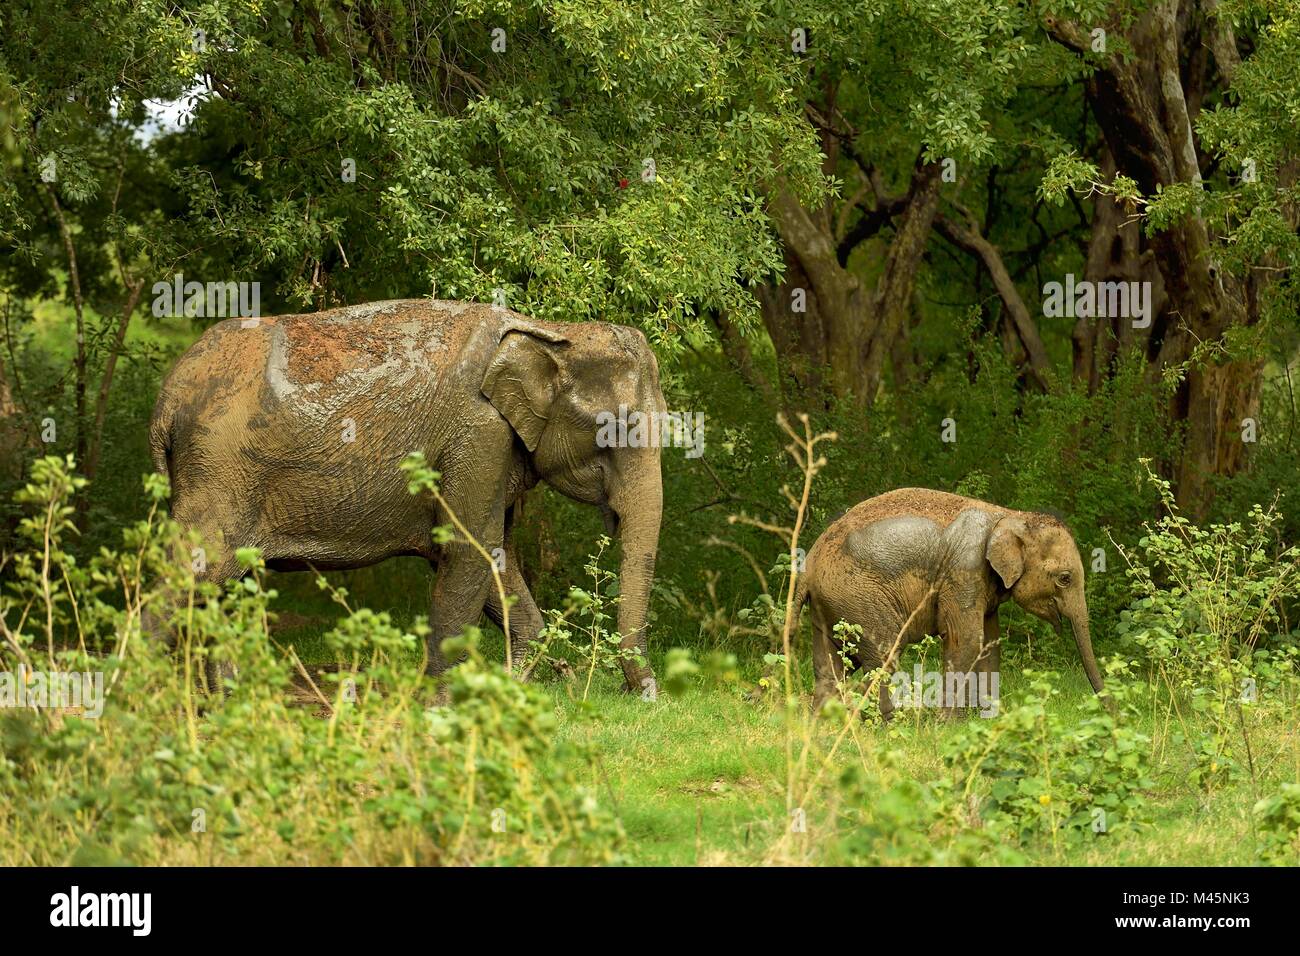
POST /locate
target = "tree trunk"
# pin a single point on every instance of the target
(106, 381)
(1141, 102)
(833, 336)
(14, 436)
(1118, 251)
(74, 284)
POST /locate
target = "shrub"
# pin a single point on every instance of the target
(1277, 821)
(910, 823)
(280, 767)
(1207, 619)
(1048, 776)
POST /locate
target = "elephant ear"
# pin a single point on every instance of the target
(1006, 551)
(522, 379)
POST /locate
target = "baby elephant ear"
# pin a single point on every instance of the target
(1006, 551)
(522, 379)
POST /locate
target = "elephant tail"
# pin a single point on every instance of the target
(160, 437)
(800, 595)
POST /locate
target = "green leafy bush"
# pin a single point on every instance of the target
(1208, 620)
(276, 767)
(910, 823)
(1277, 820)
(1047, 775)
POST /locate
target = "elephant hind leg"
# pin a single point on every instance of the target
(828, 667)
(221, 534)
(212, 560)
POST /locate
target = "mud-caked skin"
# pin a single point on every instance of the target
(286, 434)
(914, 562)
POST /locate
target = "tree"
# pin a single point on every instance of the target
(81, 191)
(898, 91)
(568, 160)
(572, 160)
(1183, 166)
(1187, 136)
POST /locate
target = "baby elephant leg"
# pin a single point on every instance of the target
(962, 670)
(828, 667)
(868, 659)
(885, 663)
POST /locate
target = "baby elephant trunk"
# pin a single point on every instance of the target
(1083, 640)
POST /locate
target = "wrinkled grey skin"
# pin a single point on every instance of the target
(251, 426)
(914, 562)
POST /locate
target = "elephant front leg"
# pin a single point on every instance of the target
(963, 656)
(464, 582)
(873, 656)
(989, 667)
(525, 618)
(459, 595)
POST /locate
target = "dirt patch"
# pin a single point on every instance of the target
(722, 787)
(302, 694)
(321, 351)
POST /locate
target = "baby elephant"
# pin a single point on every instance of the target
(914, 562)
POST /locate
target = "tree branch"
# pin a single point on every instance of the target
(892, 296)
(811, 245)
(968, 238)
(1223, 42)
(106, 381)
(74, 281)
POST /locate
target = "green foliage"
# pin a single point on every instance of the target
(1277, 818)
(910, 823)
(579, 636)
(1067, 171)
(1050, 777)
(518, 174)
(1208, 620)
(1256, 132)
(251, 774)
(500, 148)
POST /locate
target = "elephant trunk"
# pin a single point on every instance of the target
(637, 499)
(1083, 639)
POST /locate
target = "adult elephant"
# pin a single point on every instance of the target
(286, 433)
(914, 562)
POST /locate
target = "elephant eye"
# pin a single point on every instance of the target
(1063, 580)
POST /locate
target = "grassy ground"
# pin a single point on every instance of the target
(718, 772)
(700, 778)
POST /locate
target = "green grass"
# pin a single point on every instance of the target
(700, 778)
(696, 779)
